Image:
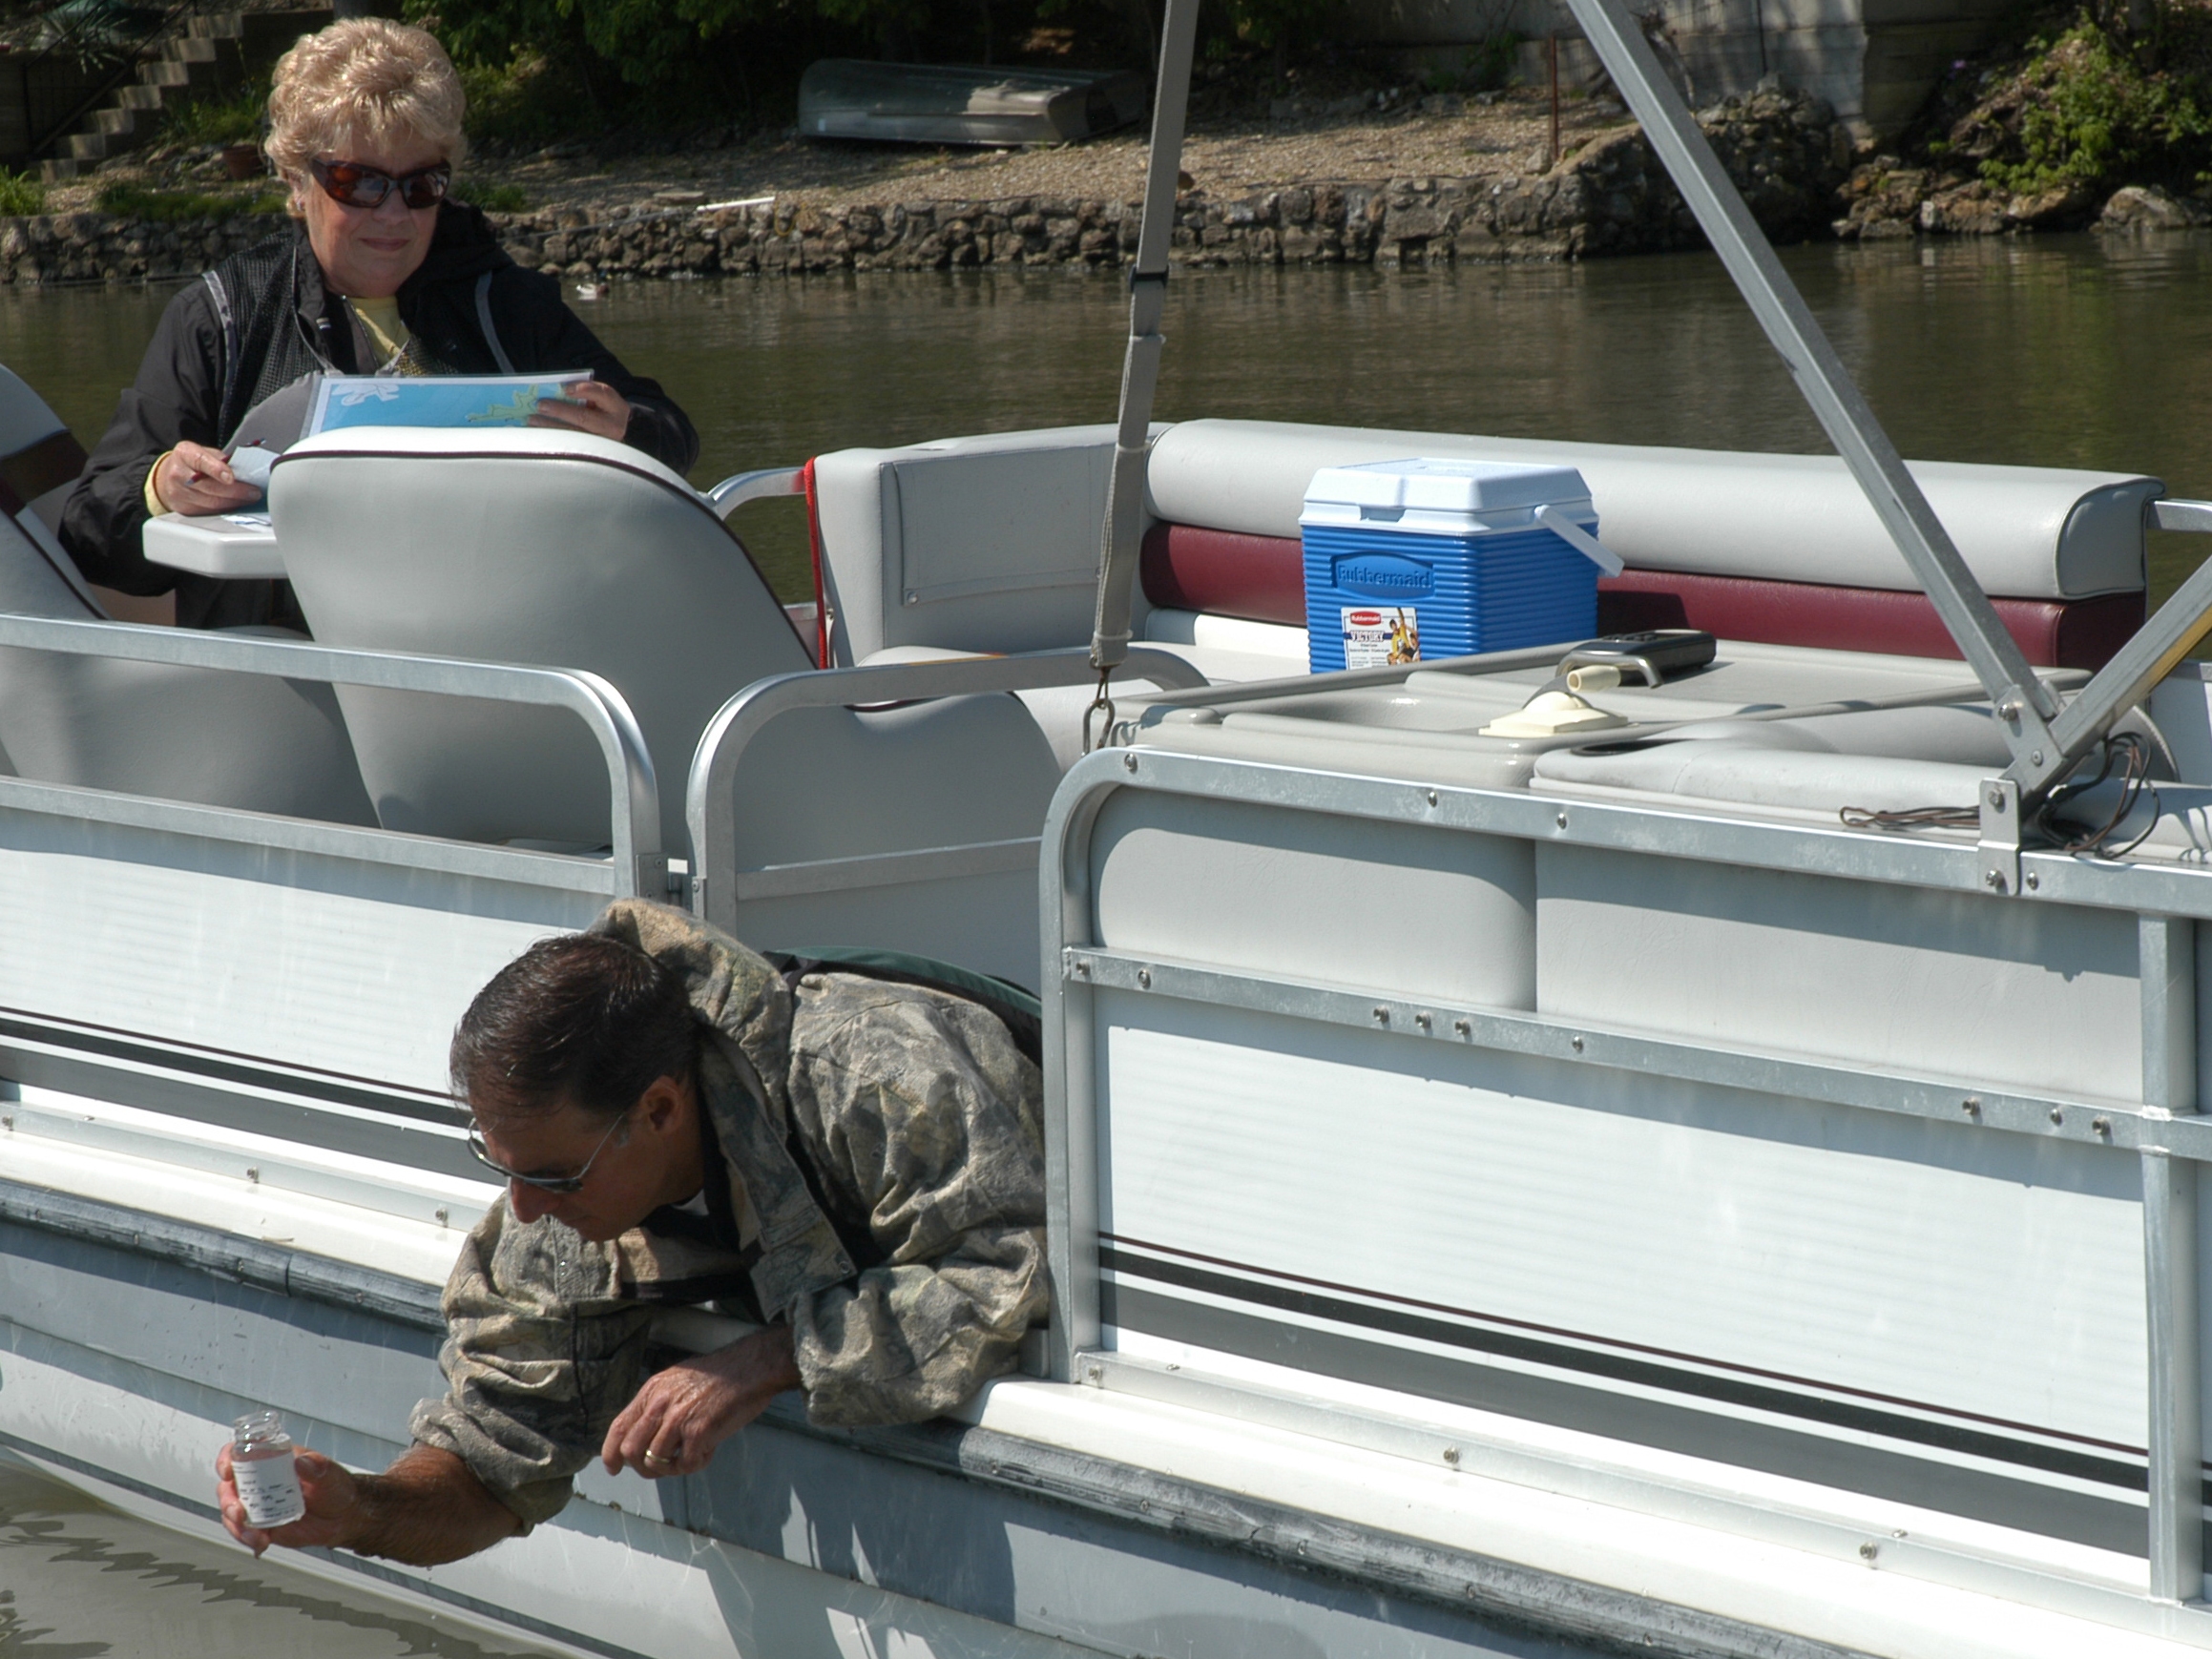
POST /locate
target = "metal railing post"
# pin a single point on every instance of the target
(2168, 976)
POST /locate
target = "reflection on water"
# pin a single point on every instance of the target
(78, 1581)
(2060, 351)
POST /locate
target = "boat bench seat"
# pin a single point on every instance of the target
(1779, 548)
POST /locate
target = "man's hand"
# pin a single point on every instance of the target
(427, 1509)
(333, 1506)
(683, 1413)
(196, 480)
(591, 406)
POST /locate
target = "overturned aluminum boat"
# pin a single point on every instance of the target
(1728, 1188)
(932, 103)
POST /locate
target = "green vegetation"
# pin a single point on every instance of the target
(235, 119)
(21, 193)
(168, 206)
(2082, 102)
(493, 198)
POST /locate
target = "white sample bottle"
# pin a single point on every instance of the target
(260, 1466)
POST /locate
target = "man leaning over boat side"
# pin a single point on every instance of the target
(855, 1162)
(381, 274)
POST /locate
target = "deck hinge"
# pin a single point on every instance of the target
(1999, 845)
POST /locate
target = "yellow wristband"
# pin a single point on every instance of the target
(155, 507)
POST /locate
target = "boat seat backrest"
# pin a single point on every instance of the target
(39, 456)
(2028, 533)
(176, 734)
(524, 547)
(969, 543)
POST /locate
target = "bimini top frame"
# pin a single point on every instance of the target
(2046, 741)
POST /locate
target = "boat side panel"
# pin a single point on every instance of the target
(348, 969)
(1594, 1247)
(1996, 992)
(1448, 915)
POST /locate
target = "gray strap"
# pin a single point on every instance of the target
(228, 319)
(1120, 542)
(484, 322)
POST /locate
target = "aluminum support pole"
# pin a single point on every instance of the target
(2168, 978)
(1120, 538)
(2026, 704)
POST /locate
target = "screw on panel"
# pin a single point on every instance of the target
(1561, 820)
(1381, 1016)
(1868, 1550)
(2057, 1116)
(1094, 1373)
(1577, 1043)
(1129, 762)
(2102, 1126)
(1465, 1028)
(1144, 978)
(2031, 881)
(253, 1175)
(1995, 881)
(1451, 1455)
(1432, 797)
(8, 1124)
(1971, 1106)
(2036, 759)
(1421, 1020)
(1083, 968)
(1996, 800)
(913, 599)
(443, 1214)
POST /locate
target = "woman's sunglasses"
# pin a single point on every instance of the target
(356, 184)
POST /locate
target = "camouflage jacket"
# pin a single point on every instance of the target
(920, 1123)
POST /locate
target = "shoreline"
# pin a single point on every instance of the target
(880, 207)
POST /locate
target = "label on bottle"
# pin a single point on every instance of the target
(270, 1488)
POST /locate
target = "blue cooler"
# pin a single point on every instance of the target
(1414, 560)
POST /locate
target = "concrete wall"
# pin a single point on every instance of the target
(1874, 60)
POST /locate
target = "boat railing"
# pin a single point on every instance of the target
(638, 864)
(718, 887)
(739, 488)
(2162, 1130)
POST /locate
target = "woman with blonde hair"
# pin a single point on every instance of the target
(380, 274)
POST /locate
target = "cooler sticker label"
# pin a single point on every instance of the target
(1381, 635)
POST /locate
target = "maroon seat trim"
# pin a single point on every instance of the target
(2053, 632)
(1263, 579)
(1260, 578)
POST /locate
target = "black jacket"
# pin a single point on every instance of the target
(286, 325)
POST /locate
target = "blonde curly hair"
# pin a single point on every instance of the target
(367, 80)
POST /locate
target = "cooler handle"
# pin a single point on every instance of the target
(1580, 539)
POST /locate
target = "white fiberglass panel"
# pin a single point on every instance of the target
(300, 960)
(1941, 1270)
(1993, 991)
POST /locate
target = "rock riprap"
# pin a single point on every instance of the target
(1609, 197)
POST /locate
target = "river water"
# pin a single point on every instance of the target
(2059, 351)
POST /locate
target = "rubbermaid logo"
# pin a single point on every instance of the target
(1392, 577)
(1363, 619)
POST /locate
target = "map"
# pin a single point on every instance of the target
(462, 401)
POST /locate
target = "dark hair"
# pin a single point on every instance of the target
(581, 1019)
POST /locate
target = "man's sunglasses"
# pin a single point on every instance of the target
(557, 1184)
(356, 184)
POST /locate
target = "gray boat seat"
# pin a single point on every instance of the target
(1782, 549)
(177, 733)
(990, 544)
(564, 550)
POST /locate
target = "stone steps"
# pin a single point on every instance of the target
(213, 53)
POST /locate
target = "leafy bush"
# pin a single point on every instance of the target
(2095, 111)
(167, 206)
(21, 194)
(495, 197)
(231, 120)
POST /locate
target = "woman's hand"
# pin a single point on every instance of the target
(333, 1506)
(683, 1413)
(195, 480)
(591, 406)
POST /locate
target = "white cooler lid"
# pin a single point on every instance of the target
(1439, 493)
